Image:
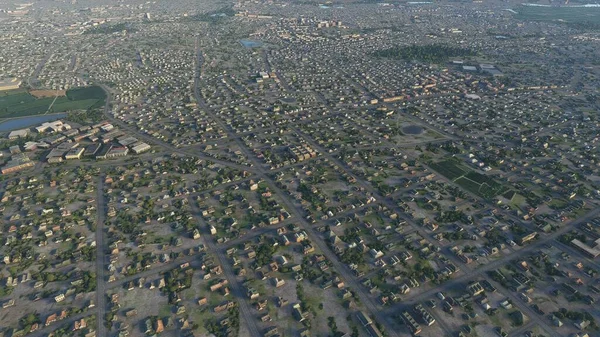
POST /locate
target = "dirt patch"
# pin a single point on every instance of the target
(47, 93)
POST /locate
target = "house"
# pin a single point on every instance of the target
(557, 322)
(297, 313)
(51, 319)
(261, 305)
(506, 304)
(475, 289)
(592, 251)
(271, 331)
(414, 327)
(18, 134)
(224, 306)
(218, 285)
(376, 253)
(281, 302)
(159, 326)
(78, 325)
(425, 315)
(523, 265)
(148, 326)
(8, 303)
(582, 324)
(526, 238)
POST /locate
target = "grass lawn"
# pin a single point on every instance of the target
(557, 203)
(74, 105)
(14, 97)
(18, 103)
(518, 200)
(567, 14)
(165, 311)
(449, 169)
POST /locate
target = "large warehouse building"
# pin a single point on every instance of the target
(9, 84)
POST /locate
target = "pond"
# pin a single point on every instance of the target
(288, 100)
(251, 43)
(412, 130)
(24, 122)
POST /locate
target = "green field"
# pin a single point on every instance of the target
(19, 104)
(449, 169)
(14, 97)
(572, 15)
(468, 179)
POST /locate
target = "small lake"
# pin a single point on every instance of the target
(412, 130)
(25, 122)
(251, 43)
(288, 100)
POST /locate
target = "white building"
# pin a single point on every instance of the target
(18, 134)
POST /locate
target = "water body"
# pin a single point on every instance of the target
(412, 130)
(25, 122)
(251, 43)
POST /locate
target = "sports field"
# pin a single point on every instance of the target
(19, 103)
(468, 179)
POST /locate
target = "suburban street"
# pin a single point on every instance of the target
(101, 258)
(299, 168)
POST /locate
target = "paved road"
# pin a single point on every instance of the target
(520, 331)
(237, 289)
(100, 308)
(469, 275)
(382, 315)
(525, 308)
(383, 319)
(297, 212)
(37, 71)
(152, 140)
(46, 330)
(101, 250)
(478, 273)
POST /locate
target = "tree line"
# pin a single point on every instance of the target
(433, 53)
